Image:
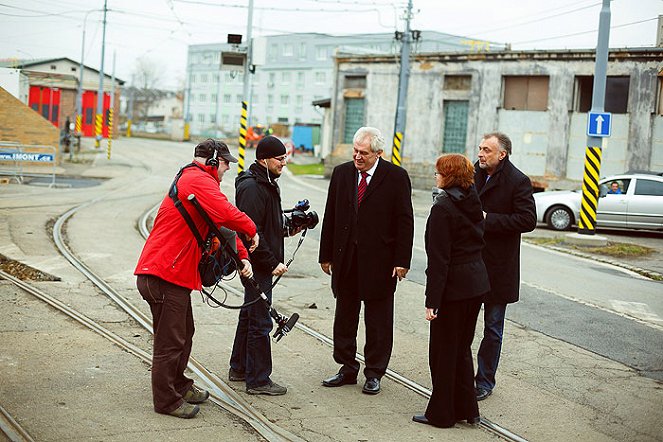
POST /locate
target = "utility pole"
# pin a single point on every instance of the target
(99, 118)
(598, 127)
(403, 80)
(245, 104)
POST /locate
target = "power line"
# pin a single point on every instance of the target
(585, 32)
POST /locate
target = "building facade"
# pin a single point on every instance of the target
(292, 71)
(539, 98)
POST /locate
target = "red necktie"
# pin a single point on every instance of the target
(362, 188)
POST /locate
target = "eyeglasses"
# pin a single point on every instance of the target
(282, 159)
(436, 174)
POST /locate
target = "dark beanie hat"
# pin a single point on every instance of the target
(269, 147)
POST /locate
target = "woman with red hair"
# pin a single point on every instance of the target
(456, 279)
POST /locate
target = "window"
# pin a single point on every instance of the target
(202, 98)
(225, 118)
(239, 98)
(285, 99)
(299, 100)
(203, 78)
(455, 126)
(287, 50)
(272, 77)
(201, 118)
(457, 82)
(355, 82)
(302, 51)
(270, 99)
(616, 94)
(320, 78)
(648, 187)
(212, 118)
(215, 77)
(226, 98)
(526, 93)
(273, 52)
(73, 69)
(354, 118)
(321, 52)
(660, 95)
(192, 97)
(193, 78)
(301, 78)
(53, 67)
(285, 77)
(213, 98)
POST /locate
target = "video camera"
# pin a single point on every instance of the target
(298, 217)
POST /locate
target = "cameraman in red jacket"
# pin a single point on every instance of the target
(167, 272)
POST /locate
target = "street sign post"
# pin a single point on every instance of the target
(599, 124)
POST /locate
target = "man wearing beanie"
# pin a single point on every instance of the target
(258, 195)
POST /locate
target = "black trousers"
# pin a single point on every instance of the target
(450, 360)
(379, 322)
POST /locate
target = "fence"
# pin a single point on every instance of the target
(15, 156)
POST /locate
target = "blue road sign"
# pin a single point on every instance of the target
(599, 124)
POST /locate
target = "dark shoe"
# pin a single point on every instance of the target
(271, 389)
(474, 420)
(371, 386)
(195, 395)
(482, 393)
(236, 376)
(340, 379)
(185, 411)
(421, 419)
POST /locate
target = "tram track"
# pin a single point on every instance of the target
(390, 374)
(220, 393)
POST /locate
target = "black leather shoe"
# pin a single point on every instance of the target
(421, 419)
(482, 393)
(340, 379)
(371, 386)
(474, 420)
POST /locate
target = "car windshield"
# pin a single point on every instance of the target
(617, 186)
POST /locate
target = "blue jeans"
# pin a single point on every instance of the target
(252, 352)
(491, 345)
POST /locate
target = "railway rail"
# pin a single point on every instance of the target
(143, 227)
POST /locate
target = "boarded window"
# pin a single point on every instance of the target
(457, 82)
(355, 82)
(455, 126)
(354, 118)
(526, 93)
(616, 94)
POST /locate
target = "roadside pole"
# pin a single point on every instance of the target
(403, 80)
(243, 126)
(99, 118)
(110, 110)
(598, 128)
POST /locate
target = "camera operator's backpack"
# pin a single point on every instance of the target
(215, 262)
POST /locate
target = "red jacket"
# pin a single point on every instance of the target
(171, 252)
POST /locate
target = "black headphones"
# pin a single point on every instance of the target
(214, 159)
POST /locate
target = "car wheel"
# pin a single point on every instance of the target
(560, 218)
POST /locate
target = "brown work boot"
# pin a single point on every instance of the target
(271, 389)
(185, 411)
(196, 395)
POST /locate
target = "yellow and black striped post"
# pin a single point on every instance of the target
(187, 130)
(98, 124)
(128, 129)
(242, 137)
(110, 132)
(396, 149)
(79, 122)
(590, 191)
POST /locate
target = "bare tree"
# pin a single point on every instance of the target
(147, 73)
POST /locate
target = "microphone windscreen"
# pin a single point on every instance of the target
(292, 321)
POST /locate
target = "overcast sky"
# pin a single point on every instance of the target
(161, 30)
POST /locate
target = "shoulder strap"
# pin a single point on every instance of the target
(172, 193)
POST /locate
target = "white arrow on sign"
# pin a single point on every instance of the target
(599, 124)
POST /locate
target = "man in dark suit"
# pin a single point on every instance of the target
(509, 210)
(366, 247)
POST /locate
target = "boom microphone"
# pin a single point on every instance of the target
(285, 327)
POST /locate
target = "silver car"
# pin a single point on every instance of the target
(628, 201)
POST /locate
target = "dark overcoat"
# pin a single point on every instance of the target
(383, 227)
(508, 202)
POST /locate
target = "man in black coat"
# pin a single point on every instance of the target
(258, 195)
(509, 210)
(366, 247)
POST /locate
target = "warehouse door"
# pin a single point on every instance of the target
(354, 118)
(455, 126)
